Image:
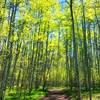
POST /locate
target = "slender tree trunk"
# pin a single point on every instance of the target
(8, 58)
(86, 52)
(75, 53)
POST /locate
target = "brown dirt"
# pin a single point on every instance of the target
(56, 95)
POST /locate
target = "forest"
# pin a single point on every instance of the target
(49, 49)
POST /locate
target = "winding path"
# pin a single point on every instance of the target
(56, 95)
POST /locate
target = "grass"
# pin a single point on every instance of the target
(84, 95)
(34, 95)
(37, 94)
(95, 95)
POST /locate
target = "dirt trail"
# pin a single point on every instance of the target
(56, 95)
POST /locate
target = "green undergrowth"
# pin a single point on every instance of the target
(11, 94)
(24, 95)
(84, 94)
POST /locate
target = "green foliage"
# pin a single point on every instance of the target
(38, 47)
(34, 95)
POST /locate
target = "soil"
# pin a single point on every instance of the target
(56, 95)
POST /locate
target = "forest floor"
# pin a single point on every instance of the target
(56, 94)
(61, 94)
(50, 94)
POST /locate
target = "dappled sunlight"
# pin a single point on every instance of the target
(49, 49)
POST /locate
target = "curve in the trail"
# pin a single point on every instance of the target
(56, 94)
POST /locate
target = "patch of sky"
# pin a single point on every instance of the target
(62, 2)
